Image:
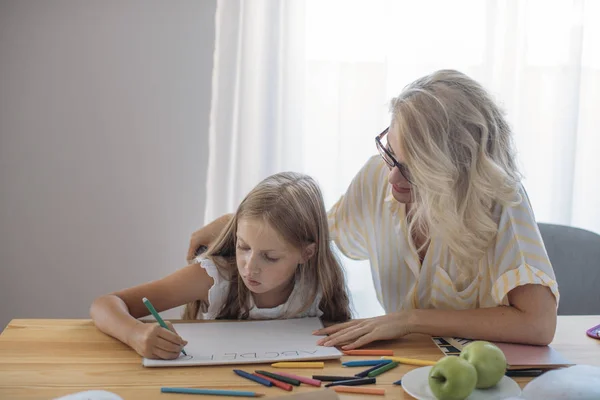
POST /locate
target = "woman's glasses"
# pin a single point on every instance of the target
(388, 156)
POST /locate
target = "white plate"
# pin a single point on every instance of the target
(416, 383)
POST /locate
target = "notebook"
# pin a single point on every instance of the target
(518, 356)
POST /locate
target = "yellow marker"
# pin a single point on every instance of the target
(410, 361)
(304, 364)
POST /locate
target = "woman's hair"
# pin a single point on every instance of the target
(292, 204)
(458, 148)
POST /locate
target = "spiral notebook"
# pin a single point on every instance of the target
(518, 356)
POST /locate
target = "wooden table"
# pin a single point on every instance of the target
(45, 359)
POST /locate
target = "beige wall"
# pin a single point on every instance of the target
(103, 132)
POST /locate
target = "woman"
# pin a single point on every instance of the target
(445, 223)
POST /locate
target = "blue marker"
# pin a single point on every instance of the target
(254, 378)
(399, 382)
(365, 363)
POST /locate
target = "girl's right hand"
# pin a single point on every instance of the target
(150, 340)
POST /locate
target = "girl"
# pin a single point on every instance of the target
(272, 260)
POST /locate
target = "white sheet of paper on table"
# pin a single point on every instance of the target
(248, 342)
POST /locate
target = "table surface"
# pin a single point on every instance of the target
(49, 358)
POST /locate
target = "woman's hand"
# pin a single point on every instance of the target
(153, 341)
(359, 332)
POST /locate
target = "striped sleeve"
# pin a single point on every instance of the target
(520, 257)
(349, 216)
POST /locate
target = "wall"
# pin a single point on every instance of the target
(104, 112)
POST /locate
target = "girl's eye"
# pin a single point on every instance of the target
(243, 248)
(269, 259)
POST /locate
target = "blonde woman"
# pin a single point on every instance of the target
(273, 260)
(446, 224)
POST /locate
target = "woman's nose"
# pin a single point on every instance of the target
(395, 177)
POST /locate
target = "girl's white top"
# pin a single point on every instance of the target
(217, 295)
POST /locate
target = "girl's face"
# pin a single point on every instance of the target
(265, 261)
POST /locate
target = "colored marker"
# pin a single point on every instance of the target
(410, 361)
(281, 378)
(365, 363)
(275, 382)
(303, 379)
(152, 310)
(330, 378)
(359, 390)
(353, 382)
(254, 378)
(382, 369)
(214, 392)
(364, 373)
(305, 364)
(369, 352)
(398, 382)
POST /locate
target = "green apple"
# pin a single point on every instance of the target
(488, 360)
(452, 378)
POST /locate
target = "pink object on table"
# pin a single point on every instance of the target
(303, 379)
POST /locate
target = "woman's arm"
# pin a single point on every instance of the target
(116, 314)
(530, 319)
(205, 235)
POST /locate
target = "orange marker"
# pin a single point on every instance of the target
(358, 390)
(369, 352)
(279, 384)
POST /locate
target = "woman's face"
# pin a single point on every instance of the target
(401, 187)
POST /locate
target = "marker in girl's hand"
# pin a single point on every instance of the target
(161, 322)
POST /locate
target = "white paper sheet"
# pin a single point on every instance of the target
(251, 342)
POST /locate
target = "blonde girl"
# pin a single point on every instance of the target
(271, 260)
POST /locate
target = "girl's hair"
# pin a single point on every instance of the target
(292, 204)
(458, 148)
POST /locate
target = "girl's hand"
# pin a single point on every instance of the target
(359, 332)
(154, 341)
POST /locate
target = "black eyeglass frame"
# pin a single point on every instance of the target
(389, 158)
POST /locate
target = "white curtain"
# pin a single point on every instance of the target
(305, 86)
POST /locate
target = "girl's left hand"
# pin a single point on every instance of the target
(359, 332)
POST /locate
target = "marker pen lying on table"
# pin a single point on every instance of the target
(410, 361)
(353, 382)
(254, 378)
(365, 363)
(281, 378)
(160, 321)
(368, 352)
(213, 392)
(358, 390)
(382, 369)
(303, 379)
(275, 382)
(330, 378)
(364, 373)
(299, 364)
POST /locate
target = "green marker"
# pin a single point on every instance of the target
(381, 370)
(151, 308)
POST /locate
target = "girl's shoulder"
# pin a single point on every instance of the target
(217, 294)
